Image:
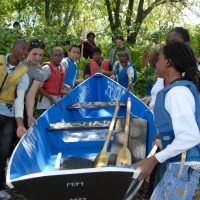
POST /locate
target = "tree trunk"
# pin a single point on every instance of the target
(47, 12)
(114, 19)
(110, 17)
(138, 22)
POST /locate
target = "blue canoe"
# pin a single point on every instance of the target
(73, 131)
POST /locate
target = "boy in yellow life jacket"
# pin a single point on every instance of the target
(13, 84)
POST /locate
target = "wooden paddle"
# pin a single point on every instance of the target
(124, 156)
(102, 157)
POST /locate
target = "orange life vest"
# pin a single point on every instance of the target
(93, 66)
(54, 85)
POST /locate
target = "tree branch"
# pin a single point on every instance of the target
(117, 12)
(47, 12)
(129, 12)
(110, 17)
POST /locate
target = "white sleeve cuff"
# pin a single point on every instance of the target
(162, 156)
(19, 104)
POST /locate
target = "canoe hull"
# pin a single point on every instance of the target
(60, 130)
(107, 184)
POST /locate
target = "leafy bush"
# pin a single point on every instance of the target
(52, 37)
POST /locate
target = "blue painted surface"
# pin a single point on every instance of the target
(37, 151)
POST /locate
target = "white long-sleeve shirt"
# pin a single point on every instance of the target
(180, 104)
(159, 85)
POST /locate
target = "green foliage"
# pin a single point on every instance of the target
(31, 15)
(6, 40)
(195, 40)
(51, 37)
(82, 62)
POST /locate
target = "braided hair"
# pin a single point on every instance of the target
(182, 58)
(182, 32)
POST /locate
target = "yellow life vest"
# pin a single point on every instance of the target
(9, 82)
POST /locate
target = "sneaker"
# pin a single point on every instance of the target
(4, 195)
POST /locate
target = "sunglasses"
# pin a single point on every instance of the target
(37, 44)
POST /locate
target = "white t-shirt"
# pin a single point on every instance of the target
(65, 63)
(129, 72)
(180, 104)
(159, 85)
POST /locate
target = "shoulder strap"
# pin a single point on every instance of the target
(135, 72)
(46, 63)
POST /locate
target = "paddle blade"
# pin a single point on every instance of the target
(101, 159)
(124, 157)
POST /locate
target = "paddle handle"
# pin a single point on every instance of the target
(126, 132)
(112, 124)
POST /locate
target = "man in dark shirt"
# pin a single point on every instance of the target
(117, 49)
(87, 45)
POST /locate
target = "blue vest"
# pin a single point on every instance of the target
(71, 73)
(122, 77)
(164, 123)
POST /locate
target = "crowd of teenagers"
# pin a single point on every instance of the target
(174, 100)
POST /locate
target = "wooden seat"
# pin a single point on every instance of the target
(84, 125)
(97, 104)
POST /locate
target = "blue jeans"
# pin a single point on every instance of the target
(156, 175)
(172, 187)
(6, 135)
